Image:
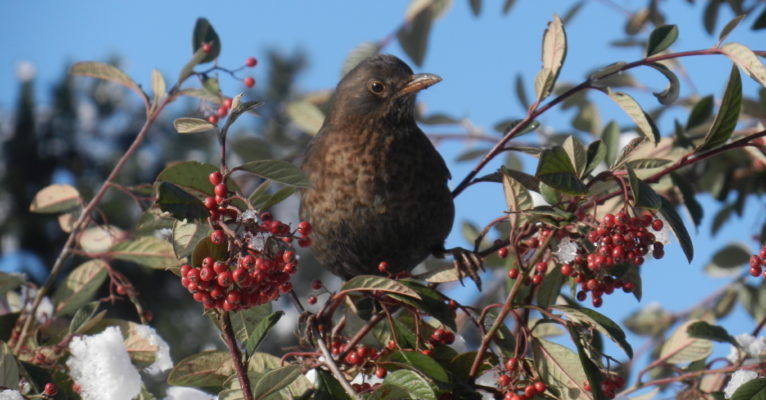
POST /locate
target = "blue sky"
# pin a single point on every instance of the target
(477, 57)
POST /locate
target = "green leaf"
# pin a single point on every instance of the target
(683, 348)
(647, 163)
(589, 367)
(629, 148)
(180, 203)
(507, 5)
(278, 171)
(306, 115)
(328, 388)
(747, 60)
(275, 380)
(517, 198)
(759, 22)
(661, 38)
(261, 329)
(675, 224)
(475, 7)
(148, 251)
(726, 119)
(642, 120)
(521, 92)
(550, 288)
(599, 322)
(204, 33)
(689, 197)
(359, 53)
(704, 330)
(159, 91)
(596, 154)
(370, 283)
(728, 28)
(269, 201)
(209, 368)
(751, 390)
(611, 138)
(700, 113)
(670, 94)
(557, 170)
(413, 384)
(554, 52)
(577, 154)
(9, 282)
(9, 369)
(79, 286)
(54, 199)
(414, 360)
(107, 72)
(193, 125)
(643, 194)
(186, 235)
(431, 302)
(732, 256)
(413, 36)
(191, 175)
(82, 316)
(560, 369)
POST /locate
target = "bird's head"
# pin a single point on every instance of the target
(381, 86)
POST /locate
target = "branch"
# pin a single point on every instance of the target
(231, 344)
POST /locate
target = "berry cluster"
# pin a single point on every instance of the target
(223, 110)
(514, 387)
(524, 248)
(611, 384)
(618, 240)
(757, 261)
(256, 259)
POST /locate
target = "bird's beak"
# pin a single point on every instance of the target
(419, 82)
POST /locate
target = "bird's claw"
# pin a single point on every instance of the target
(467, 264)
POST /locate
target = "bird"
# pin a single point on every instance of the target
(378, 187)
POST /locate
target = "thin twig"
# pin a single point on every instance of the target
(328, 360)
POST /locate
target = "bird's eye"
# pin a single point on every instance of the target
(376, 87)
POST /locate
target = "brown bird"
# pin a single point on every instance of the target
(378, 186)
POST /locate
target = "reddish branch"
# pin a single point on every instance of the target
(236, 358)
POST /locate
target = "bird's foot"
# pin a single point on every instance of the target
(467, 264)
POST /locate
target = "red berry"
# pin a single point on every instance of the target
(221, 190)
(566, 270)
(539, 386)
(213, 119)
(206, 47)
(762, 254)
(210, 203)
(502, 252)
(226, 103)
(425, 352)
(755, 271)
(76, 388)
(249, 82)
(513, 273)
(530, 391)
(449, 338)
(311, 300)
(503, 380)
(219, 266)
(383, 267)
(581, 296)
(609, 220)
(657, 224)
(217, 237)
(251, 62)
(541, 267)
(221, 112)
(352, 358)
(537, 279)
(755, 261)
(285, 287)
(512, 364)
(248, 262)
(390, 345)
(597, 302)
(621, 218)
(380, 372)
(240, 275)
(658, 252)
(193, 275)
(224, 279)
(304, 242)
(316, 284)
(233, 297)
(185, 270)
(304, 228)
(51, 389)
(288, 256)
(206, 274)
